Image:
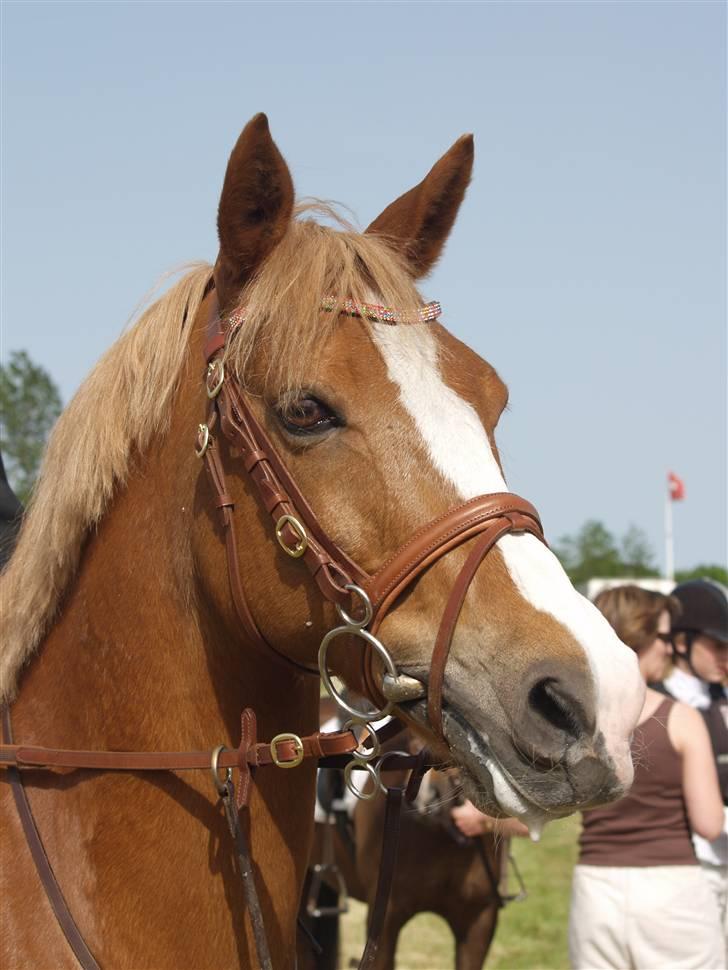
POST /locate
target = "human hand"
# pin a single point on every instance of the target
(469, 820)
(472, 822)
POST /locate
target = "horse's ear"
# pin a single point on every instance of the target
(422, 218)
(255, 207)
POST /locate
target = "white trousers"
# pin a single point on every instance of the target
(644, 918)
(717, 877)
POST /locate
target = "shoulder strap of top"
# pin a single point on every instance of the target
(665, 706)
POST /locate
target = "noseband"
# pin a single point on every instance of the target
(485, 519)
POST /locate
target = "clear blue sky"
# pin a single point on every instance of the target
(588, 263)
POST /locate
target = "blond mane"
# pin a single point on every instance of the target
(126, 400)
(119, 408)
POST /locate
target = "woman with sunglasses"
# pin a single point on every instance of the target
(639, 898)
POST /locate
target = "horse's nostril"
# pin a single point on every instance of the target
(549, 700)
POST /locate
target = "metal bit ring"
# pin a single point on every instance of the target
(362, 755)
(371, 771)
(379, 649)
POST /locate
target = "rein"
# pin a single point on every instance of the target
(332, 750)
(362, 602)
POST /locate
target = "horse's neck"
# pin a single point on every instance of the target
(141, 660)
(138, 660)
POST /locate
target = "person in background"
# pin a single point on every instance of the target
(639, 898)
(698, 678)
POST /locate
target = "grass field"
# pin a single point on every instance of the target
(531, 935)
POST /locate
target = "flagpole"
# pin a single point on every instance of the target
(669, 546)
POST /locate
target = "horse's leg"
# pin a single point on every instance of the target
(473, 939)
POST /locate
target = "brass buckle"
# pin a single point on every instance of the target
(301, 546)
(297, 747)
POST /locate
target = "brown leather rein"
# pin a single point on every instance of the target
(342, 582)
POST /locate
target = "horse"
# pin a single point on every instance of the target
(285, 437)
(439, 870)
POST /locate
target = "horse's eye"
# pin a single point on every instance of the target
(307, 416)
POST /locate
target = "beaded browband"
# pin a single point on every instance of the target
(381, 314)
(373, 312)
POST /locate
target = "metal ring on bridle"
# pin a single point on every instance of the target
(363, 755)
(220, 786)
(203, 438)
(211, 368)
(371, 771)
(381, 763)
(366, 603)
(379, 649)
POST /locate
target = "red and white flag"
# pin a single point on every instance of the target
(676, 487)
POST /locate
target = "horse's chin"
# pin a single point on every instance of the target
(486, 782)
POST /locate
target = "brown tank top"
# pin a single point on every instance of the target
(649, 826)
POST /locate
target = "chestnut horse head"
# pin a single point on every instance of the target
(121, 572)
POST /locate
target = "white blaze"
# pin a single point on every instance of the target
(459, 448)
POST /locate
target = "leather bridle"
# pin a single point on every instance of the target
(484, 519)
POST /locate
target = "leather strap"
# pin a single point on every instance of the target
(419, 763)
(512, 521)
(223, 502)
(483, 855)
(436, 539)
(492, 516)
(316, 745)
(42, 864)
(226, 506)
(387, 862)
(247, 875)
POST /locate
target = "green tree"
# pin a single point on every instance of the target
(591, 552)
(29, 405)
(707, 571)
(594, 551)
(636, 554)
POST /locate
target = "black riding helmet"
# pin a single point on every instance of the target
(704, 610)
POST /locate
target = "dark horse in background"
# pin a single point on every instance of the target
(11, 513)
(439, 870)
